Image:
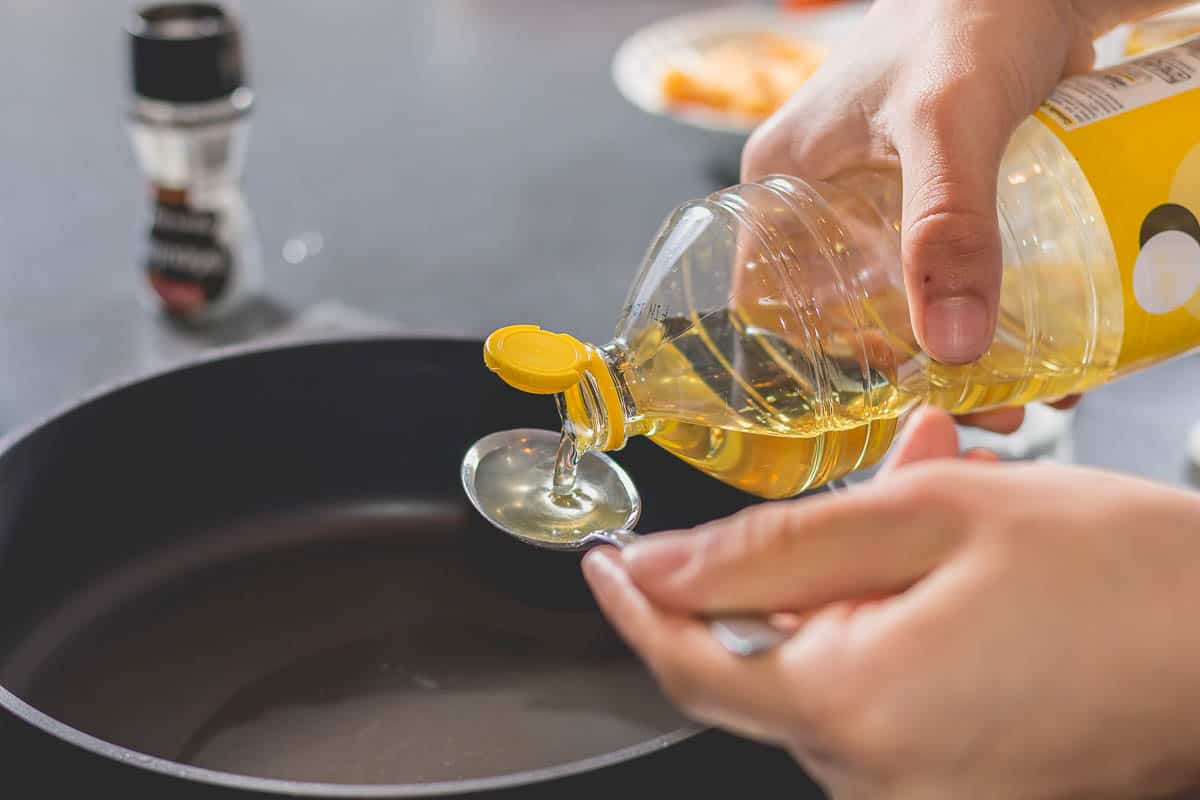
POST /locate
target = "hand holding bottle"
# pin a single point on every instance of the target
(938, 87)
(950, 642)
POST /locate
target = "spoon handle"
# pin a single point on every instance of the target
(742, 635)
(618, 539)
(745, 636)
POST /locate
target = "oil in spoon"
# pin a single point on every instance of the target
(540, 485)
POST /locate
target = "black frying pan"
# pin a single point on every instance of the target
(258, 574)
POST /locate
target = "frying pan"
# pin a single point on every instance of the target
(256, 574)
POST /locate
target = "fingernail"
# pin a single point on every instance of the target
(650, 560)
(957, 329)
(600, 562)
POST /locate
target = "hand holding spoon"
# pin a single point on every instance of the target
(740, 635)
(496, 475)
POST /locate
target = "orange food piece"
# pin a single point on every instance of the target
(750, 76)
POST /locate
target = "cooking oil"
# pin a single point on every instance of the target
(792, 376)
(767, 338)
(532, 490)
(736, 401)
(748, 421)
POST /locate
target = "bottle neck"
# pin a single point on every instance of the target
(599, 412)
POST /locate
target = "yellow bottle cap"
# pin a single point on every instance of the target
(536, 361)
(541, 362)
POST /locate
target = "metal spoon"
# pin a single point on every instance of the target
(528, 451)
(740, 635)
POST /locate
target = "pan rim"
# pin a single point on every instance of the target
(30, 715)
(232, 780)
(192, 361)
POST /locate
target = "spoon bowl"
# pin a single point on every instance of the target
(507, 477)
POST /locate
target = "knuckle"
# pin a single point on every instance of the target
(750, 534)
(947, 494)
(943, 213)
(784, 145)
(942, 234)
(942, 106)
(929, 485)
(949, 212)
(759, 153)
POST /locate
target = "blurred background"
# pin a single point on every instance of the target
(425, 165)
(460, 163)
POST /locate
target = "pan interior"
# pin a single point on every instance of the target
(353, 644)
(265, 566)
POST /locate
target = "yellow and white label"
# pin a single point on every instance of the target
(1135, 131)
(1092, 98)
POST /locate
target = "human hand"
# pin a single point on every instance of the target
(938, 87)
(963, 628)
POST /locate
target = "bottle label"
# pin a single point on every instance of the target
(187, 263)
(1135, 131)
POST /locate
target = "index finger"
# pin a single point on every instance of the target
(805, 554)
(764, 696)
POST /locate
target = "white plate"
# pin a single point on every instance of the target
(641, 60)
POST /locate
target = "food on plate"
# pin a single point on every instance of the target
(750, 75)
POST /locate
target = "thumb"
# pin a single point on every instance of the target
(929, 434)
(950, 236)
(796, 556)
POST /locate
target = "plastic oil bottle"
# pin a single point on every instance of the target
(767, 340)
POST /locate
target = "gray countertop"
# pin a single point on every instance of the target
(467, 164)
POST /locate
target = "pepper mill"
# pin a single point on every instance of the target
(189, 121)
